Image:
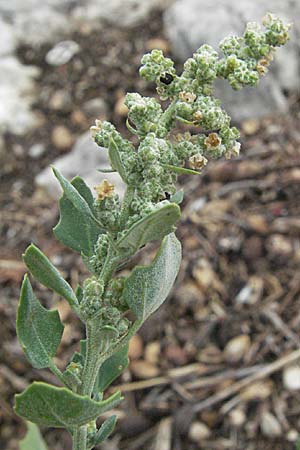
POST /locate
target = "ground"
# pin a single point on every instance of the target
(239, 278)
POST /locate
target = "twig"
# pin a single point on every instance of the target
(280, 325)
(236, 387)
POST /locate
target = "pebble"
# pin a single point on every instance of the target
(37, 150)
(252, 292)
(135, 350)
(257, 391)
(199, 431)
(61, 101)
(96, 108)
(237, 417)
(236, 348)
(158, 43)
(291, 378)
(62, 137)
(292, 435)
(250, 126)
(176, 354)
(120, 107)
(270, 426)
(143, 369)
(62, 53)
(152, 352)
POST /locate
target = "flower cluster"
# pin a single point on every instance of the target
(153, 165)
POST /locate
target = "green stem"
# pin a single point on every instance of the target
(128, 196)
(55, 370)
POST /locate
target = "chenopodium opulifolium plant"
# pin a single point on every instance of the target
(107, 232)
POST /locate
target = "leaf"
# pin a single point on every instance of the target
(106, 170)
(148, 287)
(33, 439)
(111, 369)
(44, 271)
(105, 430)
(39, 330)
(180, 170)
(177, 197)
(59, 407)
(152, 227)
(115, 159)
(77, 227)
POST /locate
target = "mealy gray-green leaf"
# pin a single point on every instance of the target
(177, 197)
(44, 271)
(148, 286)
(33, 439)
(51, 406)
(39, 330)
(115, 159)
(105, 430)
(152, 227)
(78, 228)
(111, 369)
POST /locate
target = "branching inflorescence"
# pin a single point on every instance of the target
(107, 231)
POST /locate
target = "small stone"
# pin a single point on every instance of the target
(61, 101)
(159, 44)
(176, 354)
(62, 137)
(292, 435)
(252, 292)
(291, 378)
(257, 391)
(258, 223)
(143, 369)
(79, 118)
(152, 352)
(198, 432)
(270, 426)
(237, 417)
(236, 348)
(135, 350)
(62, 53)
(120, 107)
(279, 245)
(96, 108)
(250, 126)
(37, 150)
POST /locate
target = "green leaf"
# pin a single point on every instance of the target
(33, 439)
(39, 330)
(148, 287)
(115, 159)
(44, 271)
(105, 430)
(152, 227)
(180, 170)
(177, 197)
(111, 369)
(77, 228)
(59, 407)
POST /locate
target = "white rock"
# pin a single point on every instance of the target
(291, 378)
(84, 160)
(199, 431)
(62, 53)
(236, 348)
(37, 150)
(16, 95)
(8, 39)
(191, 23)
(270, 426)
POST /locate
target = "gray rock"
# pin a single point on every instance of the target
(16, 95)
(62, 53)
(191, 23)
(118, 12)
(95, 108)
(84, 160)
(37, 150)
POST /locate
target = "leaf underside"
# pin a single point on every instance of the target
(39, 330)
(51, 406)
(33, 439)
(148, 286)
(77, 227)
